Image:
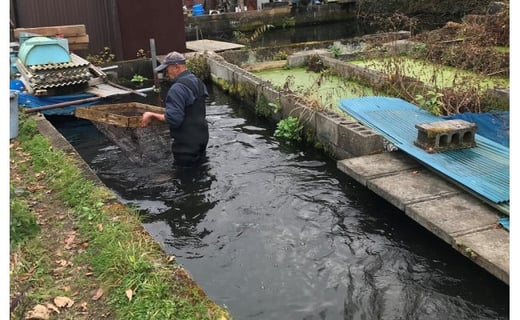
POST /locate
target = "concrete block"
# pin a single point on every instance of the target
(271, 95)
(453, 216)
(489, 249)
(407, 187)
(327, 124)
(445, 135)
(220, 71)
(359, 140)
(374, 166)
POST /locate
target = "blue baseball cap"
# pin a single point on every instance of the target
(171, 58)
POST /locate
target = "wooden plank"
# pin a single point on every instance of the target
(78, 39)
(65, 30)
(127, 115)
(79, 42)
(78, 46)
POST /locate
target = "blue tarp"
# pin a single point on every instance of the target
(492, 125)
(504, 222)
(30, 101)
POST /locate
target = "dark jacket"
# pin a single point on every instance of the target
(186, 115)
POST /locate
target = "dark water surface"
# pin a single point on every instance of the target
(277, 232)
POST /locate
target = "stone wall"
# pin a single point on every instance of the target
(341, 137)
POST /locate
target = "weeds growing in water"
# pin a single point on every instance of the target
(289, 129)
(198, 64)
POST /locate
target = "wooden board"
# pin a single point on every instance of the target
(127, 115)
(76, 35)
(66, 30)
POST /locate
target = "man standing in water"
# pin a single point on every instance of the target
(185, 112)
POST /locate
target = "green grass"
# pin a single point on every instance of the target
(122, 256)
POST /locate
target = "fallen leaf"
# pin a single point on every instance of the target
(69, 242)
(83, 306)
(62, 262)
(38, 312)
(100, 227)
(52, 307)
(98, 294)
(129, 293)
(63, 302)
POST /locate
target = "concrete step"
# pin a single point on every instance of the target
(469, 225)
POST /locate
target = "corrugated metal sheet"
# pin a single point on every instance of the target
(124, 26)
(483, 169)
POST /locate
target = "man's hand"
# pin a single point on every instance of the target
(146, 119)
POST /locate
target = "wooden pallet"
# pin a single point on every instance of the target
(127, 115)
(120, 123)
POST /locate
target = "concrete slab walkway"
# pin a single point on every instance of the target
(211, 45)
(469, 225)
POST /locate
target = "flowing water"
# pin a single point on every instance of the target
(274, 231)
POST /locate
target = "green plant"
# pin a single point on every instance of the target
(280, 55)
(129, 264)
(314, 63)
(198, 64)
(103, 57)
(289, 129)
(23, 224)
(335, 50)
(265, 108)
(432, 102)
(138, 78)
(141, 54)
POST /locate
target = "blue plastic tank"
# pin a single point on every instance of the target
(198, 10)
(43, 50)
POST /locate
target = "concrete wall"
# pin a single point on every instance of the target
(341, 137)
(216, 25)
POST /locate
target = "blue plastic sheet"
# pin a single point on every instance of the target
(492, 125)
(504, 222)
(27, 100)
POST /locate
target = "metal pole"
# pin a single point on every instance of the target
(61, 104)
(156, 83)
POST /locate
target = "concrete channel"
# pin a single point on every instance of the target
(463, 221)
(448, 211)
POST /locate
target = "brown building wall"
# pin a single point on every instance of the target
(142, 20)
(124, 26)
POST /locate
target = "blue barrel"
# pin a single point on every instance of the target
(14, 114)
(198, 10)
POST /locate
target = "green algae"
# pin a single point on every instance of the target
(327, 90)
(432, 74)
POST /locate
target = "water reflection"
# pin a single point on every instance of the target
(277, 232)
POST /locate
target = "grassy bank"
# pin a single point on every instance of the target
(77, 253)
